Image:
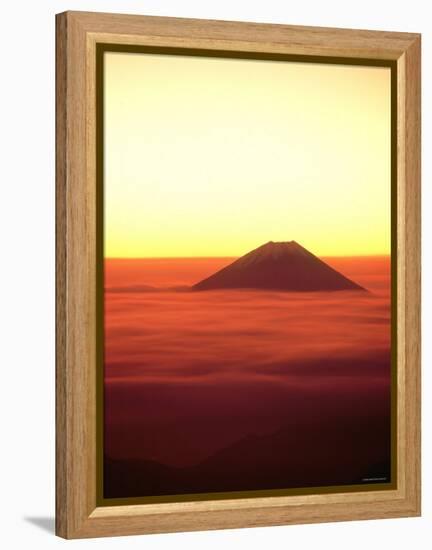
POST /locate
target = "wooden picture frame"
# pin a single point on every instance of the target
(78, 513)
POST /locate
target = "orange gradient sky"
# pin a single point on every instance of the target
(214, 157)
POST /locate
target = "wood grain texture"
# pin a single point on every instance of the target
(76, 512)
(412, 223)
(76, 261)
(195, 33)
(61, 251)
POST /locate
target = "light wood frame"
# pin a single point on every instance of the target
(77, 513)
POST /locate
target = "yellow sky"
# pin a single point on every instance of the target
(214, 157)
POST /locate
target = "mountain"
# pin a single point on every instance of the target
(317, 452)
(278, 266)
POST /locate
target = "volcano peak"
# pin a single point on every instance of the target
(280, 265)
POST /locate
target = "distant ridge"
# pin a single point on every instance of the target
(278, 266)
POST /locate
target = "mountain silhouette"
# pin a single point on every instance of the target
(278, 266)
(310, 453)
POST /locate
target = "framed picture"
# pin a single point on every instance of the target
(238, 274)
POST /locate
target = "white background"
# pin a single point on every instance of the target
(27, 270)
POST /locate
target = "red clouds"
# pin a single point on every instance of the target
(213, 336)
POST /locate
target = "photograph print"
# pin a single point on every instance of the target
(247, 342)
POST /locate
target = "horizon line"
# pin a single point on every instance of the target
(388, 254)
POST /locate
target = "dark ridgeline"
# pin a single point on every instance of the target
(311, 452)
(278, 266)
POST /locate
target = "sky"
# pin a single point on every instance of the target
(207, 157)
